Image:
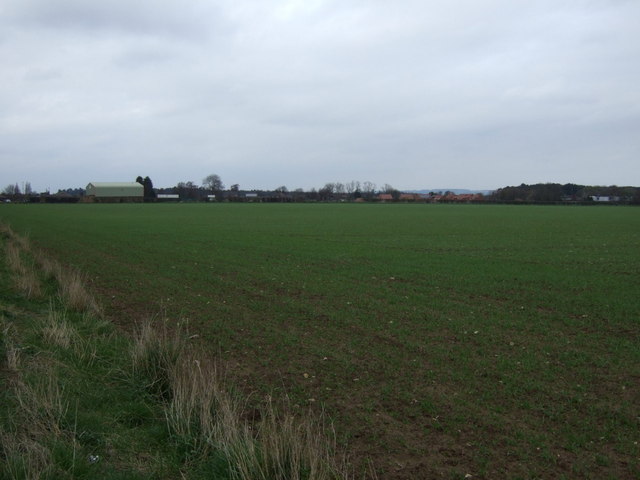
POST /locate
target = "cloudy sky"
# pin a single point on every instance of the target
(414, 93)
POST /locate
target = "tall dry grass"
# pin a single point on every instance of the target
(24, 457)
(25, 276)
(35, 398)
(284, 446)
(202, 406)
(71, 284)
(11, 352)
(37, 424)
(154, 351)
(36, 429)
(202, 412)
(42, 403)
(51, 269)
(57, 330)
(75, 294)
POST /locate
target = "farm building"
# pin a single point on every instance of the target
(166, 197)
(115, 192)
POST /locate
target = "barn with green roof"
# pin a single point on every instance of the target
(114, 192)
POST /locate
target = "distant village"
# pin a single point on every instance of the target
(213, 190)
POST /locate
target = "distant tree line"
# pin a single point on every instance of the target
(569, 192)
(213, 189)
(14, 190)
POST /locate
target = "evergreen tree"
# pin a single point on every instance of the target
(149, 192)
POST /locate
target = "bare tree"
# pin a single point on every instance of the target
(394, 192)
(329, 187)
(352, 187)
(213, 182)
(12, 190)
(368, 187)
(326, 192)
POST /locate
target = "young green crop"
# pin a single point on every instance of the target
(497, 341)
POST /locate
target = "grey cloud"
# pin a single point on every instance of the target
(415, 93)
(178, 19)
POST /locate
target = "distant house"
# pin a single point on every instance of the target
(462, 197)
(114, 192)
(604, 198)
(385, 197)
(411, 197)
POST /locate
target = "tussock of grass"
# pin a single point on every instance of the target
(10, 353)
(26, 277)
(14, 261)
(201, 413)
(285, 446)
(154, 352)
(51, 269)
(24, 457)
(57, 330)
(41, 403)
(74, 293)
(12, 358)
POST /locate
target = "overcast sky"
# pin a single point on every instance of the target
(414, 93)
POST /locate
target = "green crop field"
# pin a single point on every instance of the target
(442, 340)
